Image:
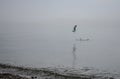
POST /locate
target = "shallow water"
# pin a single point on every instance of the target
(46, 46)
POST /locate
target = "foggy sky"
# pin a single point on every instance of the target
(98, 12)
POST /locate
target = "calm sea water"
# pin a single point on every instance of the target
(46, 46)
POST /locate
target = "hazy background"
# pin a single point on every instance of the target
(38, 33)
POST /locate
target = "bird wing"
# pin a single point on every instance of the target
(74, 29)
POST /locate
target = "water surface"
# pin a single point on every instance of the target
(53, 45)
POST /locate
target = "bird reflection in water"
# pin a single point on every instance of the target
(74, 55)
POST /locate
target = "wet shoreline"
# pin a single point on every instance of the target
(17, 72)
(11, 76)
(33, 73)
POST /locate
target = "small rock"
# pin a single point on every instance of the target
(34, 77)
(111, 78)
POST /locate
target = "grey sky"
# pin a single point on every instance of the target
(42, 11)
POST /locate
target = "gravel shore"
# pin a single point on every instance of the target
(11, 76)
(16, 72)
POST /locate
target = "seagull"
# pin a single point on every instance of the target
(74, 28)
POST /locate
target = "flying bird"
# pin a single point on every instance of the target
(74, 28)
